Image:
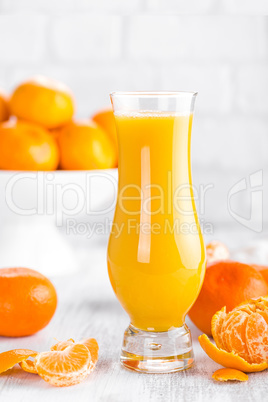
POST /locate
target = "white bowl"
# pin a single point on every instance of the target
(43, 216)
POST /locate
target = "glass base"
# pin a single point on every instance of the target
(157, 352)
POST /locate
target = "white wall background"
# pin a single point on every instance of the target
(218, 48)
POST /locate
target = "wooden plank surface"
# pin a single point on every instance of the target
(88, 308)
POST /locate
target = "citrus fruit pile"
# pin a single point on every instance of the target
(38, 131)
(67, 363)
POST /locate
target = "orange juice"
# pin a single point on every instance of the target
(156, 256)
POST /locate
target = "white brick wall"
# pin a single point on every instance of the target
(237, 7)
(223, 38)
(18, 6)
(86, 38)
(216, 47)
(237, 143)
(252, 88)
(245, 7)
(180, 6)
(212, 81)
(66, 6)
(22, 39)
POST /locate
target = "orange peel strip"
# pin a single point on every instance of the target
(29, 366)
(229, 374)
(10, 358)
(228, 359)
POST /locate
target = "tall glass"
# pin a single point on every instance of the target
(156, 255)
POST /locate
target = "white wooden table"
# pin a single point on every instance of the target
(88, 308)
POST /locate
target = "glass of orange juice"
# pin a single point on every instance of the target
(156, 253)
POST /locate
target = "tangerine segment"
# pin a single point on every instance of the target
(64, 368)
(10, 358)
(29, 366)
(90, 343)
(93, 347)
(216, 325)
(62, 345)
(257, 337)
(228, 359)
(227, 374)
(233, 334)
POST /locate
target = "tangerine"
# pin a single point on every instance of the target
(43, 101)
(26, 146)
(28, 301)
(226, 283)
(85, 146)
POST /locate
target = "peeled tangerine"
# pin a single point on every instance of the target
(241, 336)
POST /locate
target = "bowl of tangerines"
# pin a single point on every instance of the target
(53, 168)
(39, 134)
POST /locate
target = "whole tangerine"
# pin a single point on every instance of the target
(226, 283)
(85, 146)
(43, 101)
(28, 301)
(26, 146)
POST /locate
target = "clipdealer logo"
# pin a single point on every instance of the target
(254, 187)
(49, 196)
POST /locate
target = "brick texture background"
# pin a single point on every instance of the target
(216, 47)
